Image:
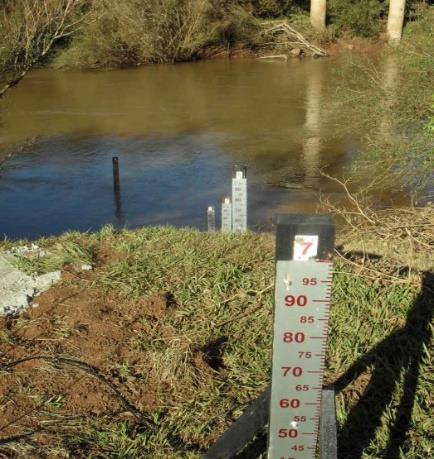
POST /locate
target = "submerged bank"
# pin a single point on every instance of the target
(178, 321)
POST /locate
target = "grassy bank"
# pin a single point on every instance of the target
(179, 323)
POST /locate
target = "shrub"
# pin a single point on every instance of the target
(359, 17)
(389, 100)
(272, 8)
(134, 32)
(233, 22)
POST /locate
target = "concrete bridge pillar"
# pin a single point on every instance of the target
(318, 14)
(395, 21)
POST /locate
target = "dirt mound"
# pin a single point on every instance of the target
(75, 355)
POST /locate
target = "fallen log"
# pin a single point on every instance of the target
(294, 39)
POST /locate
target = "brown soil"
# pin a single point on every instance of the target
(345, 44)
(355, 45)
(97, 370)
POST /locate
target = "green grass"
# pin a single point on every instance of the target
(223, 313)
(60, 255)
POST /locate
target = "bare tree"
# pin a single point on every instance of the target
(30, 28)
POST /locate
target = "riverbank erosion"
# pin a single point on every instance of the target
(159, 347)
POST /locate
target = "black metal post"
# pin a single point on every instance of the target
(116, 181)
(117, 193)
(328, 442)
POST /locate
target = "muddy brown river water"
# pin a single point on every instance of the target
(177, 131)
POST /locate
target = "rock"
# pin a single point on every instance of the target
(17, 289)
(86, 267)
(29, 252)
(296, 52)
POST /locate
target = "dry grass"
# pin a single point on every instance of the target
(404, 235)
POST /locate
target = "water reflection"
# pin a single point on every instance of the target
(312, 126)
(119, 214)
(390, 84)
(177, 130)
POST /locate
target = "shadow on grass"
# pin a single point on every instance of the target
(258, 445)
(399, 355)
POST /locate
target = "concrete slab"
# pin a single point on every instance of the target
(17, 289)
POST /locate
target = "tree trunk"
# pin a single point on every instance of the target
(318, 14)
(395, 21)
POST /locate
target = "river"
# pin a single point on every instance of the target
(178, 130)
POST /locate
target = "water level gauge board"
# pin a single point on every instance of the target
(302, 306)
(239, 200)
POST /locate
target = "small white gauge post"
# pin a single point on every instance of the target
(226, 215)
(211, 218)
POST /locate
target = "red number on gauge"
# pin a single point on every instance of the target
(290, 337)
(289, 403)
(303, 387)
(304, 355)
(295, 371)
(291, 300)
(307, 319)
(310, 281)
(288, 433)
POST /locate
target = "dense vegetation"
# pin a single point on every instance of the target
(132, 32)
(391, 101)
